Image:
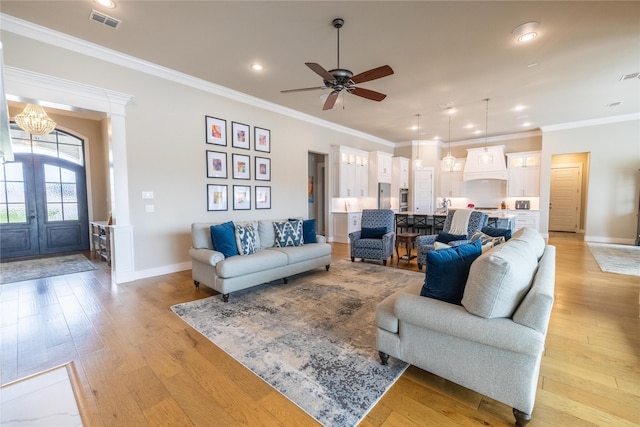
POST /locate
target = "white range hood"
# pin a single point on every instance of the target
(477, 168)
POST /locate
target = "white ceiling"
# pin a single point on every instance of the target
(443, 53)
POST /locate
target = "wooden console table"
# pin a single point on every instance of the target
(101, 240)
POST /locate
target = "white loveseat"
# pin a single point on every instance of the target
(496, 351)
(226, 275)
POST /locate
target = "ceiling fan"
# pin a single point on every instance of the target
(340, 79)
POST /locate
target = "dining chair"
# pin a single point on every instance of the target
(402, 223)
(421, 224)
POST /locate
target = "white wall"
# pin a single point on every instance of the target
(166, 149)
(614, 183)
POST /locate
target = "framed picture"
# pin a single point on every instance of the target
(241, 166)
(263, 169)
(241, 197)
(263, 197)
(217, 198)
(240, 135)
(262, 139)
(216, 164)
(216, 130)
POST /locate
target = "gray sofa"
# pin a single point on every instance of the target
(493, 342)
(226, 275)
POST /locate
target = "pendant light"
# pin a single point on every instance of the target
(449, 161)
(486, 157)
(35, 121)
(418, 163)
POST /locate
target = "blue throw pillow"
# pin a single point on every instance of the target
(223, 237)
(447, 272)
(288, 233)
(246, 239)
(446, 237)
(308, 230)
(373, 233)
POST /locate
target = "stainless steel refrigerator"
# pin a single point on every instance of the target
(384, 196)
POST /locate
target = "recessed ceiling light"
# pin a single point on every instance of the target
(519, 107)
(469, 126)
(525, 124)
(437, 138)
(526, 32)
(477, 131)
(257, 67)
(109, 4)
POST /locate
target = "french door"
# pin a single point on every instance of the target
(43, 203)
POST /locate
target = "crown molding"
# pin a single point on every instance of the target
(74, 44)
(592, 122)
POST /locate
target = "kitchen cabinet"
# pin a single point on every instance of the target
(451, 182)
(351, 172)
(400, 172)
(345, 223)
(526, 218)
(523, 178)
(380, 167)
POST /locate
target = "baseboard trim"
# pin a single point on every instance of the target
(605, 239)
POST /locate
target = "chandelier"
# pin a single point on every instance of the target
(35, 121)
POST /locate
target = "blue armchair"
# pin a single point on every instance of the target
(424, 244)
(377, 237)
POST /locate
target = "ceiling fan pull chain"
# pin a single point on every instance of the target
(338, 47)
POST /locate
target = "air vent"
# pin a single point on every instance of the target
(614, 104)
(107, 20)
(630, 76)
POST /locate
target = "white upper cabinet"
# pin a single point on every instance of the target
(523, 174)
(400, 172)
(351, 171)
(380, 166)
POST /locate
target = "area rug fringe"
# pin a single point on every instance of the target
(312, 339)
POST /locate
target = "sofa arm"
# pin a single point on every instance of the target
(426, 240)
(455, 320)
(206, 256)
(354, 236)
(320, 239)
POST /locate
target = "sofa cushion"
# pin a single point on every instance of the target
(266, 233)
(288, 233)
(499, 279)
(254, 263)
(246, 239)
(447, 271)
(297, 254)
(444, 237)
(223, 238)
(534, 238)
(373, 233)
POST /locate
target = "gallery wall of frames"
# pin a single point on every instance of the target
(246, 159)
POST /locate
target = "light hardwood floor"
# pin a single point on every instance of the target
(139, 364)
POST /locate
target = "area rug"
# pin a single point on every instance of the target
(313, 339)
(621, 259)
(18, 271)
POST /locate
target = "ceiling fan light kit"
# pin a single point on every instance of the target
(342, 79)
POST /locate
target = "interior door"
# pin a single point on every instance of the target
(423, 191)
(564, 198)
(45, 207)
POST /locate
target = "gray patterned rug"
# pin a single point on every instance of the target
(313, 339)
(18, 271)
(621, 259)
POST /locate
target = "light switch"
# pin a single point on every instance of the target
(149, 208)
(147, 194)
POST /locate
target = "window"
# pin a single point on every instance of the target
(61, 195)
(12, 200)
(56, 144)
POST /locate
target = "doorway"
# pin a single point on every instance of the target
(316, 194)
(43, 198)
(567, 193)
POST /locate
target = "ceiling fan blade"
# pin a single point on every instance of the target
(305, 89)
(331, 100)
(374, 73)
(366, 93)
(319, 70)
